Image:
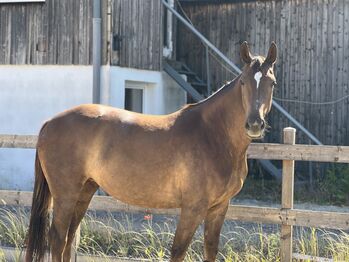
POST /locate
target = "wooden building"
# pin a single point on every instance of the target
(313, 64)
(60, 33)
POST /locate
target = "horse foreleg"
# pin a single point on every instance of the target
(188, 222)
(85, 197)
(213, 225)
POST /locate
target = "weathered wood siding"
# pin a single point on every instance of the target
(60, 32)
(54, 32)
(313, 63)
(139, 24)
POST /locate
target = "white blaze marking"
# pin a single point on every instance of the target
(258, 77)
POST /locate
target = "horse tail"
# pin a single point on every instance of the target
(39, 218)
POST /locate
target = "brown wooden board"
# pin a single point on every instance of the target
(60, 33)
(267, 215)
(337, 154)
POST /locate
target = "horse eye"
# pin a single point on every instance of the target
(242, 82)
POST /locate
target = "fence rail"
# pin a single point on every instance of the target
(313, 153)
(267, 215)
(286, 216)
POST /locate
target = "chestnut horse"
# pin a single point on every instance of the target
(193, 159)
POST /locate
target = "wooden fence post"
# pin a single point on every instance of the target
(287, 197)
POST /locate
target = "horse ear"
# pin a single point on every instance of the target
(272, 54)
(245, 53)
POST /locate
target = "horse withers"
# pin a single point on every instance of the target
(193, 159)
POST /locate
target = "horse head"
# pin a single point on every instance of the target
(257, 81)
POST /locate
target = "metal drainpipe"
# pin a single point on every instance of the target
(168, 49)
(97, 36)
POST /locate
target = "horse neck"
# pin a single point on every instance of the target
(224, 116)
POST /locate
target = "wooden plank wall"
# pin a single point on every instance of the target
(139, 24)
(54, 32)
(313, 63)
(60, 32)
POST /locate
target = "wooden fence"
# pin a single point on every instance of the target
(285, 216)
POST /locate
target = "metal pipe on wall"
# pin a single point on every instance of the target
(97, 36)
(168, 49)
(202, 38)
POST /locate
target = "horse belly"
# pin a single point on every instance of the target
(147, 192)
(143, 183)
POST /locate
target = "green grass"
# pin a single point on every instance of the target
(330, 185)
(123, 237)
(13, 227)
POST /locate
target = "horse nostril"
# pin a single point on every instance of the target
(262, 124)
(247, 125)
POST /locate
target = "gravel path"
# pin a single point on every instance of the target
(309, 206)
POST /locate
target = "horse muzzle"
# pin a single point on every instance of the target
(255, 129)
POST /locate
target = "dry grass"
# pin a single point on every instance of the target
(126, 236)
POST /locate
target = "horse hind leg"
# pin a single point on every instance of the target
(87, 192)
(63, 211)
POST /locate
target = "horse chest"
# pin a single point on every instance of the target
(231, 187)
(237, 180)
(235, 186)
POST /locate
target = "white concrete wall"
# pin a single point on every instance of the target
(156, 101)
(29, 95)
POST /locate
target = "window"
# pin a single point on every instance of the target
(134, 99)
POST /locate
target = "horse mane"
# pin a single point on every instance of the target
(227, 85)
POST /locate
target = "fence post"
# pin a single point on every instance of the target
(287, 197)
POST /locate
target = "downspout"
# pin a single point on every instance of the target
(168, 49)
(97, 36)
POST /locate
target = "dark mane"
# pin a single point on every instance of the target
(221, 90)
(227, 86)
(256, 65)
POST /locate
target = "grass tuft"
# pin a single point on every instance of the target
(13, 227)
(131, 236)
